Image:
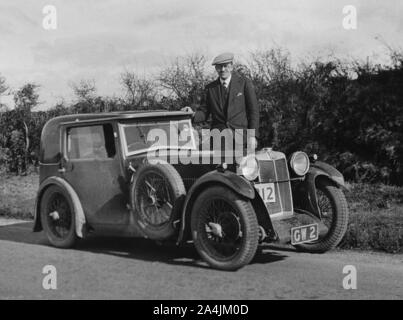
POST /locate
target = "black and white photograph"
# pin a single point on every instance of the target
(201, 155)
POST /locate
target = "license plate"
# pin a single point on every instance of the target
(305, 233)
(266, 191)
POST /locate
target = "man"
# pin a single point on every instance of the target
(230, 100)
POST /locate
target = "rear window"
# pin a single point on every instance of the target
(91, 142)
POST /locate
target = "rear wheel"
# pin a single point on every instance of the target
(224, 228)
(58, 217)
(334, 212)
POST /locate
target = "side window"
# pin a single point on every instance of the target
(91, 142)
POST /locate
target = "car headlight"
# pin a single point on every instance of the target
(249, 168)
(299, 162)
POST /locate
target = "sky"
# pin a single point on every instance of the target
(99, 39)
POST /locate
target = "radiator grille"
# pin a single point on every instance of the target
(273, 171)
(266, 173)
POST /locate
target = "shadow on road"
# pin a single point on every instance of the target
(131, 248)
(22, 232)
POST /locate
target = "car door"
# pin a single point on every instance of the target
(92, 166)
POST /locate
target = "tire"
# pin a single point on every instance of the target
(337, 222)
(157, 194)
(222, 221)
(58, 217)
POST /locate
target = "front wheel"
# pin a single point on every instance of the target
(224, 228)
(334, 212)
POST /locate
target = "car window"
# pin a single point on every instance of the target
(91, 142)
(142, 136)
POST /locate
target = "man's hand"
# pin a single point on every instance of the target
(187, 109)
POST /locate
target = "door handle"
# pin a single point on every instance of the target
(65, 166)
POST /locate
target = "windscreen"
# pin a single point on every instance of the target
(139, 137)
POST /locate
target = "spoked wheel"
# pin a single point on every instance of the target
(334, 217)
(155, 200)
(224, 228)
(156, 194)
(327, 211)
(57, 216)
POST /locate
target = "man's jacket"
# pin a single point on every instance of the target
(242, 110)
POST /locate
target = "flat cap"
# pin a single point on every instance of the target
(225, 57)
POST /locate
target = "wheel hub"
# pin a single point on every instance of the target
(54, 215)
(152, 199)
(216, 229)
(227, 225)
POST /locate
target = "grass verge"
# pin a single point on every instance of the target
(17, 195)
(376, 218)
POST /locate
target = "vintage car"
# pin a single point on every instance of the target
(99, 174)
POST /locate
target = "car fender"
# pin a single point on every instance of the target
(305, 197)
(233, 181)
(326, 169)
(78, 209)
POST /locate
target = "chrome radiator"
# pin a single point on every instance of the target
(273, 169)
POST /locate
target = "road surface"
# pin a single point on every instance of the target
(110, 268)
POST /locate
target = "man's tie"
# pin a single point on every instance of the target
(225, 87)
(224, 97)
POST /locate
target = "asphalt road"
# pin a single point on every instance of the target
(110, 268)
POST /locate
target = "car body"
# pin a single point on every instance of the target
(95, 161)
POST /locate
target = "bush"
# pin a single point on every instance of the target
(376, 218)
(353, 123)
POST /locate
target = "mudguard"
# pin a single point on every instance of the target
(305, 197)
(78, 209)
(334, 174)
(233, 181)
